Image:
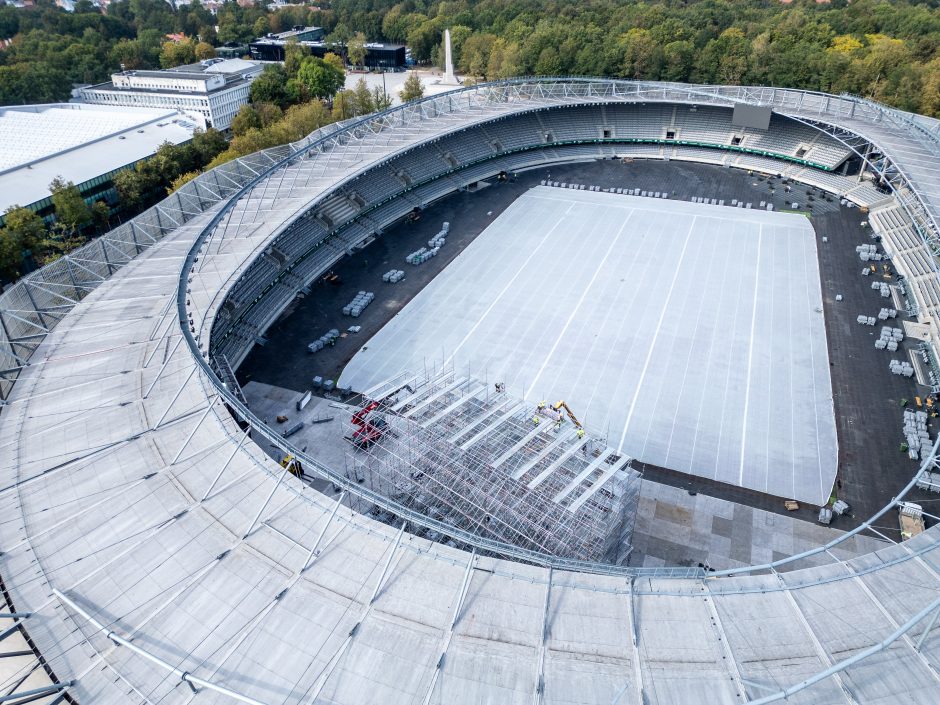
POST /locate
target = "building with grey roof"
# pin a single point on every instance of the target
(84, 144)
(212, 91)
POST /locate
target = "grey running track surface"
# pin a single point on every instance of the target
(692, 335)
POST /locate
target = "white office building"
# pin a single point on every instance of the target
(212, 92)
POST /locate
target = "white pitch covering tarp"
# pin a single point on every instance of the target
(690, 334)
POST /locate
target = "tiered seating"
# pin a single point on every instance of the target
(783, 137)
(337, 209)
(909, 254)
(712, 125)
(828, 153)
(866, 194)
(637, 122)
(699, 154)
(515, 133)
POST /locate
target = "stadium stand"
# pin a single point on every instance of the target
(162, 556)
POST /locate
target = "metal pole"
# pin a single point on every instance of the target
(54, 688)
(195, 428)
(273, 490)
(329, 520)
(163, 366)
(182, 675)
(388, 562)
(234, 451)
(923, 637)
(176, 396)
(846, 663)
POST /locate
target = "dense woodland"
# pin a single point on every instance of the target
(875, 48)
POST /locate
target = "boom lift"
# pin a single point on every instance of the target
(562, 405)
(371, 426)
(555, 414)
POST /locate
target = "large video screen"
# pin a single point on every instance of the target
(756, 116)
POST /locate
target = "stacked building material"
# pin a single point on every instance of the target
(890, 337)
(358, 304)
(916, 434)
(421, 256)
(901, 368)
(886, 313)
(868, 253)
(327, 338)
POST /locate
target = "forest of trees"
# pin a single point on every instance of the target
(884, 50)
(887, 50)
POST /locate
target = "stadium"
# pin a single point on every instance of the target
(181, 520)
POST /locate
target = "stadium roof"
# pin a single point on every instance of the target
(156, 548)
(78, 142)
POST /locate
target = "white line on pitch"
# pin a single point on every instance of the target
(750, 356)
(508, 284)
(577, 306)
(659, 326)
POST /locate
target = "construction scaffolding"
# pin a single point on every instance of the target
(466, 453)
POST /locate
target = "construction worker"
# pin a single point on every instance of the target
(580, 433)
(542, 404)
(536, 420)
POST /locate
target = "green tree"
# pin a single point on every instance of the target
(129, 54)
(725, 59)
(25, 225)
(246, 119)
(380, 99)
(33, 83)
(204, 51)
(294, 55)
(412, 89)
(130, 187)
(71, 211)
(363, 98)
(475, 54)
(344, 105)
(101, 216)
(336, 61)
(356, 49)
(678, 58)
(505, 60)
(642, 55)
(339, 36)
(181, 181)
(270, 86)
(549, 63)
(261, 27)
(11, 257)
(321, 79)
(22, 233)
(177, 53)
(206, 144)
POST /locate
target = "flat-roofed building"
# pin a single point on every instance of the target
(84, 144)
(378, 55)
(212, 91)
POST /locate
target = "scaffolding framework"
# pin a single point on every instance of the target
(456, 449)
